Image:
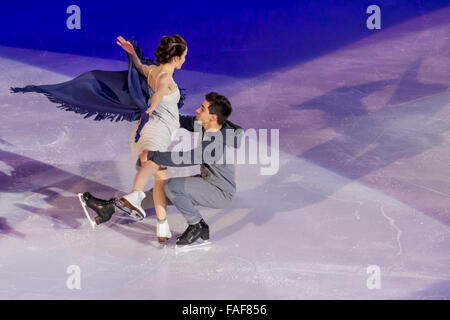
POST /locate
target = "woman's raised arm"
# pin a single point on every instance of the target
(128, 47)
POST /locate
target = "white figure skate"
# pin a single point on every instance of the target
(131, 205)
(163, 231)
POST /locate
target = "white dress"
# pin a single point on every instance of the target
(156, 135)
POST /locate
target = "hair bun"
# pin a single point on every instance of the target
(169, 47)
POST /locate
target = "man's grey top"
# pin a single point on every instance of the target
(211, 155)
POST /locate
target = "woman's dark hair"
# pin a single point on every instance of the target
(219, 105)
(169, 47)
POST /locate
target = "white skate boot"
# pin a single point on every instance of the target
(163, 231)
(131, 204)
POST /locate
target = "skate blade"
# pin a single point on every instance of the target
(83, 204)
(127, 207)
(202, 246)
(163, 240)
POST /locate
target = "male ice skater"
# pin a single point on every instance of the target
(214, 187)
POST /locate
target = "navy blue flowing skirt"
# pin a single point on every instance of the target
(113, 95)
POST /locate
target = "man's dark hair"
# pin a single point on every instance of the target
(220, 106)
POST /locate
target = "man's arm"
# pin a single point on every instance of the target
(185, 158)
(177, 158)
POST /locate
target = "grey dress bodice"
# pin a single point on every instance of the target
(167, 110)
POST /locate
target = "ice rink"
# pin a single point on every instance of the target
(363, 180)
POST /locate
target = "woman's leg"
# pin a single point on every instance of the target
(147, 170)
(132, 202)
(159, 197)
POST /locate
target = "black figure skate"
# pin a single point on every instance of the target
(104, 208)
(193, 232)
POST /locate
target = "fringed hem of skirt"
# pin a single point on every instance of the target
(132, 116)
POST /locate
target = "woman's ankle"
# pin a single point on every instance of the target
(161, 221)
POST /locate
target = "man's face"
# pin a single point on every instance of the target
(203, 114)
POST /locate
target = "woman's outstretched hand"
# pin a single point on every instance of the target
(126, 45)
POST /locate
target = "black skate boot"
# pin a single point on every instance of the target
(193, 232)
(104, 208)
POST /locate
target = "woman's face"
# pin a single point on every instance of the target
(181, 60)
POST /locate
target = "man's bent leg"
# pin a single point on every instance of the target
(188, 192)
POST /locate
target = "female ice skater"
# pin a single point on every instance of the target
(156, 134)
(146, 92)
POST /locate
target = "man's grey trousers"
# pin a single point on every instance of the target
(188, 192)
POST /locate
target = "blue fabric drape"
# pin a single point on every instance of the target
(112, 95)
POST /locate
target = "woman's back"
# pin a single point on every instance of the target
(167, 110)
